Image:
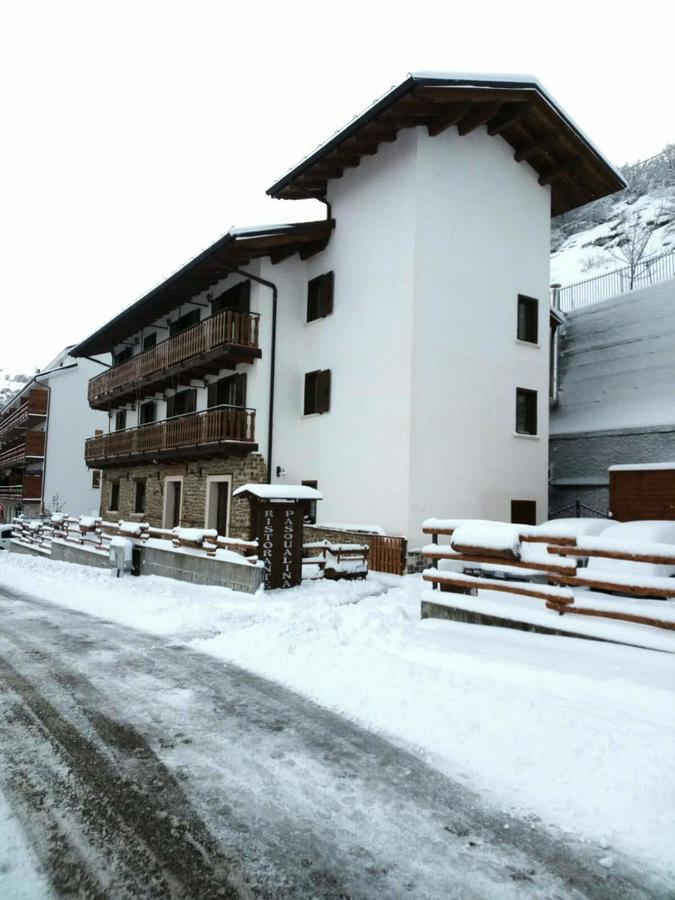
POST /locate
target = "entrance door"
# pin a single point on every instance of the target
(218, 503)
(172, 503)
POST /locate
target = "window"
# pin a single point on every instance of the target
(139, 497)
(528, 319)
(237, 298)
(524, 512)
(310, 505)
(122, 356)
(147, 412)
(526, 411)
(114, 504)
(320, 297)
(181, 403)
(317, 392)
(96, 479)
(185, 321)
(230, 391)
(150, 341)
(121, 420)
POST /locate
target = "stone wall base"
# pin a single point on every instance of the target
(194, 474)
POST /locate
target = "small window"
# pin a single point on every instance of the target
(147, 412)
(229, 391)
(317, 392)
(121, 420)
(150, 341)
(528, 319)
(114, 504)
(139, 496)
(524, 512)
(310, 505)
(237, 298)
(181, 403)
(320, 297)
(526, 411)
(185, 321)
(96, 479)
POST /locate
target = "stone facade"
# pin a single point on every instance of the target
(244, 470)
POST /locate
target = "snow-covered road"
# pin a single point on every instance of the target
(139, 767)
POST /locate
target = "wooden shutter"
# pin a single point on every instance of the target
(310, 393)
(171, 406)
(326, 294)
(212, 395)
(240, 389)
(190, 400)
(323, 391)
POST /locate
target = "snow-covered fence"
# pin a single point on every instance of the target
(507, 558)
(336, 561)
(386, 553)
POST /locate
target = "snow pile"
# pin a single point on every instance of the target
(132, 529)
(628, 534)
(578, 733)
(495, 536)
(195, 535)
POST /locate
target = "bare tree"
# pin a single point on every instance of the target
(634, 235)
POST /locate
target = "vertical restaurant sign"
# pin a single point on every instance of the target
(279, 532)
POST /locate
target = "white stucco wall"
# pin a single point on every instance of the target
(359, 451)
(70, 422)
(482, 237)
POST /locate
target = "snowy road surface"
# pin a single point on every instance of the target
(140, 768)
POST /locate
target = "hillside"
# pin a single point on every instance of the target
(10, 384)
(588, 241)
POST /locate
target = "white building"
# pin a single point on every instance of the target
(42, 428)
(410, 364)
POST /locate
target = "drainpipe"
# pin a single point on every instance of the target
(273, 353)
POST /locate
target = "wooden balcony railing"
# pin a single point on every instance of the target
(228, 333)
(193, 434)
(32, 448)
(29, 490)
(31, 410)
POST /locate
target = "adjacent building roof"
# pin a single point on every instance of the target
(237, 248)
(514, 106)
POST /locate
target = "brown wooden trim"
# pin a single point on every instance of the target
(489, 584)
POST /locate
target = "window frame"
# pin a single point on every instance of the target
(120, 416)
(530, 320)
(140, 495)
(317, 392)
(320, 293)
(142, 420)
(114, 495)
(531, 414)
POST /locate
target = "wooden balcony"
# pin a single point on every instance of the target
(219, 342)
(32, 449)
(30, 490)
(26, 412)
(225, 430)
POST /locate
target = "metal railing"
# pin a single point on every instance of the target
(603, 287)
(220, 424)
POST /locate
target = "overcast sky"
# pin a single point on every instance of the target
(134, 134)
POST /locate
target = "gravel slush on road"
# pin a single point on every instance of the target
(140, 768)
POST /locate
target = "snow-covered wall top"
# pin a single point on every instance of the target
(617, 364)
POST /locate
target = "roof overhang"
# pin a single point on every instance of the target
(237, 248)
(515, 107)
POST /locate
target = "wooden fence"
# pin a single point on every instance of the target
(563, 569)
(385, 552)
(337, 561)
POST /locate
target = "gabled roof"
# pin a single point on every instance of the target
(237, 248)
(514, 106)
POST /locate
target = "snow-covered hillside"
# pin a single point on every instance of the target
(10, 384)
(588, 241)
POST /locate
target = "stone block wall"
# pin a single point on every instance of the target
(244, 470)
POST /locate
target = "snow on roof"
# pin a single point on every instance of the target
(637, 467)
(280, 491)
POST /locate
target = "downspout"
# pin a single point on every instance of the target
(273, 353)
